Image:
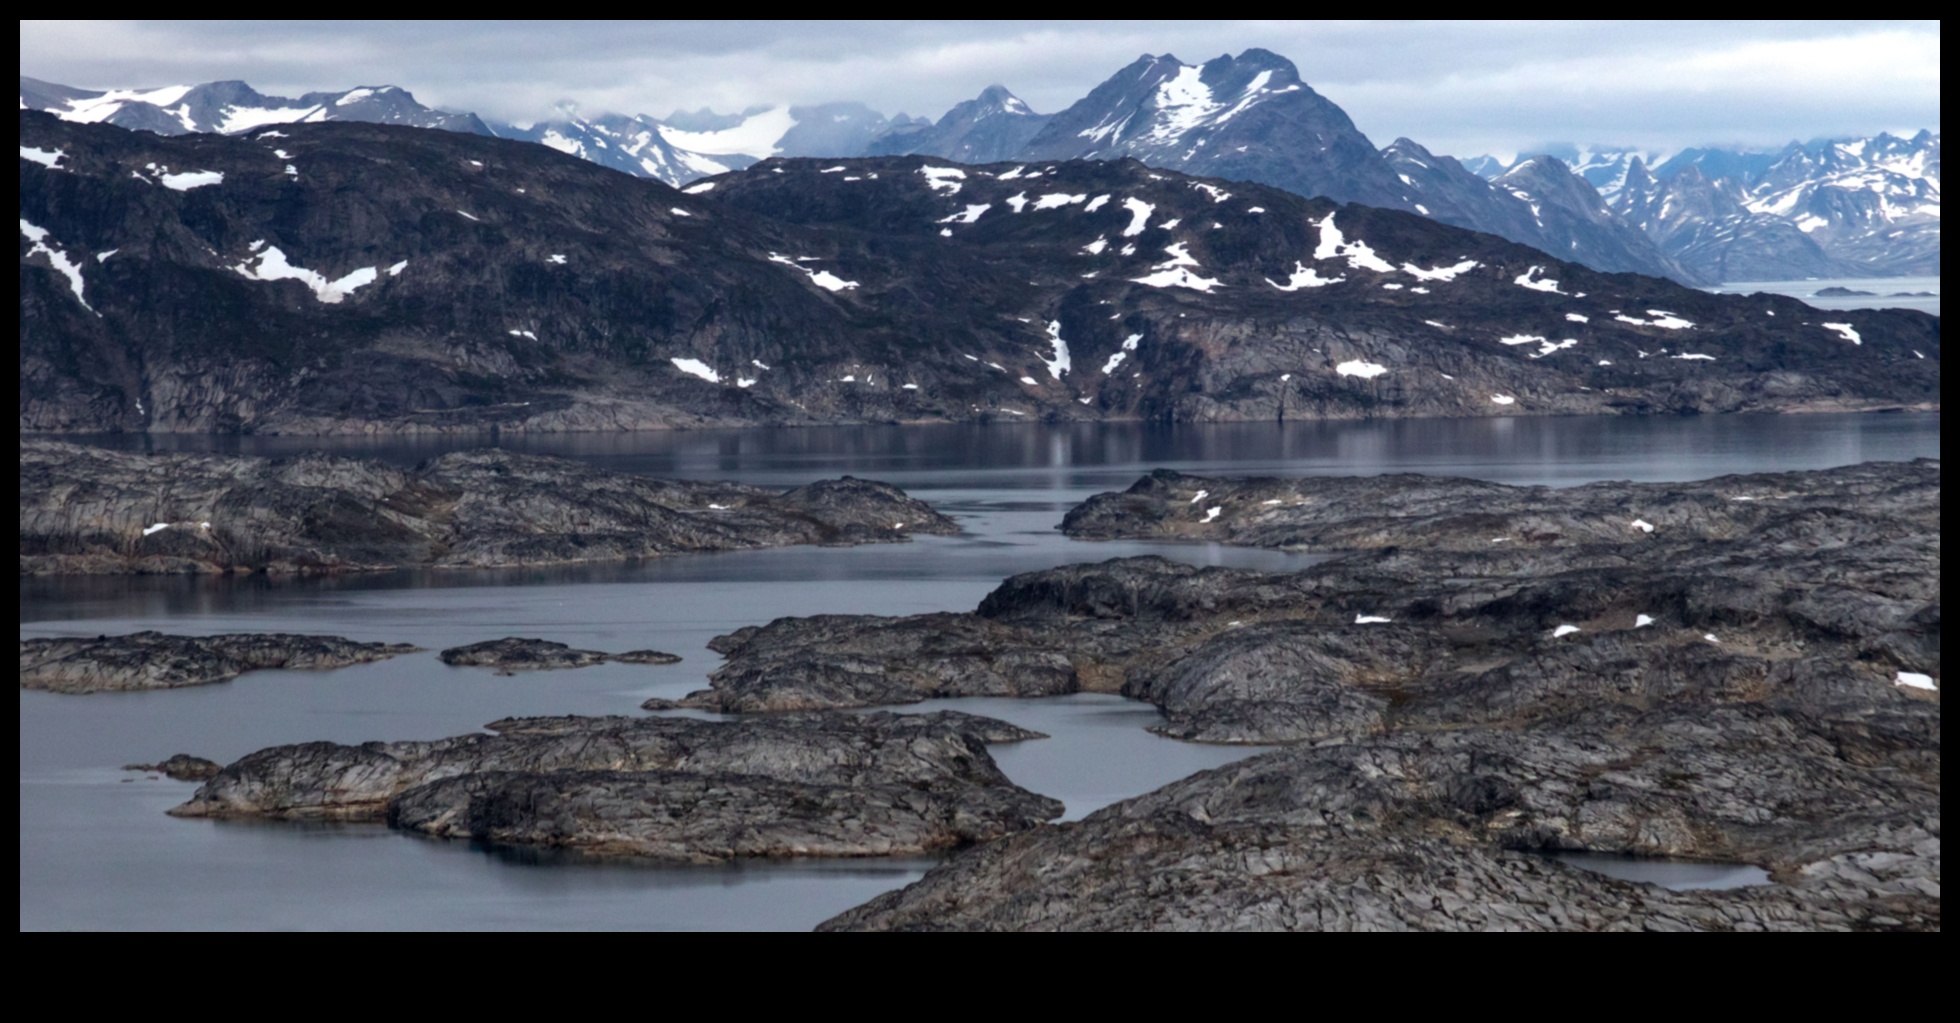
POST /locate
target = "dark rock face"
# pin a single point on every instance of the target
(153, 660)
(91, 510)
(672, 788)
(181, 767)
(405, 280)
(514, 654)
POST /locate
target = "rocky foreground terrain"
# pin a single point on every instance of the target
(89, 510)
(667, 788)
(153, 660)
(359, 278)
(1740, 670)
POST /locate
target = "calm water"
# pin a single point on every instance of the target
(96, 851)
(1886, 292)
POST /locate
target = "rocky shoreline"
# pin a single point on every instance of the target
(1746, 681)
(664, 788)
(86, 510)
(1741, 671)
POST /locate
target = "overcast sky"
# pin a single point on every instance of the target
(1462, 88)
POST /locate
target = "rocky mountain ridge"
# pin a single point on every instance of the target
(231, 108)
(1246, 118)
(1843, 207)
(348, 277)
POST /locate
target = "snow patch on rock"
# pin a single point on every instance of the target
(272, 265)
(1304, 276)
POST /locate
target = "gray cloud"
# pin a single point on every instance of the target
(1456, 87)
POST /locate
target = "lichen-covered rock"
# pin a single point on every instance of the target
(153, 660)
(1410, 511)
(1441, 830)
(1750, 682)
(90, 510)
(675, 788)
(1839, 575)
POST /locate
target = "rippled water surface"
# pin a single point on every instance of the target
(97, 852)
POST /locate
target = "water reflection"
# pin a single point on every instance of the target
(1071, 456)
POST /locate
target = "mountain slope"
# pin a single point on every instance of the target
(351, 277)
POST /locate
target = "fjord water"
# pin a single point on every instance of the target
(96, 850)
(1921, 293)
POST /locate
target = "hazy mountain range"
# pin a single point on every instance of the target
(1860, 207)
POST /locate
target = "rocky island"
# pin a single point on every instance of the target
(153, 660)
(91, 510)
(512, 654)
(667, 788)
(1741, 670)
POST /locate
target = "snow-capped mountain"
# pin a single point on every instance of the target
(372, 279)
(1248, 118)
(680, 149)
(1740, 165)
(1251, 118)
(1703, 224)
(1539, 202)
(995, 126)
(826, 129)
(1841, 207)
(229, 108)
(636, 145)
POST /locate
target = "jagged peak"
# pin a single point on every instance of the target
(1405, 146)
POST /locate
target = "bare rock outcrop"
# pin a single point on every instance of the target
(1753, 681)
(513, 653)
(181, 767)
(1333, 513)
(670, 788)
(90, 510)
(154, 660)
